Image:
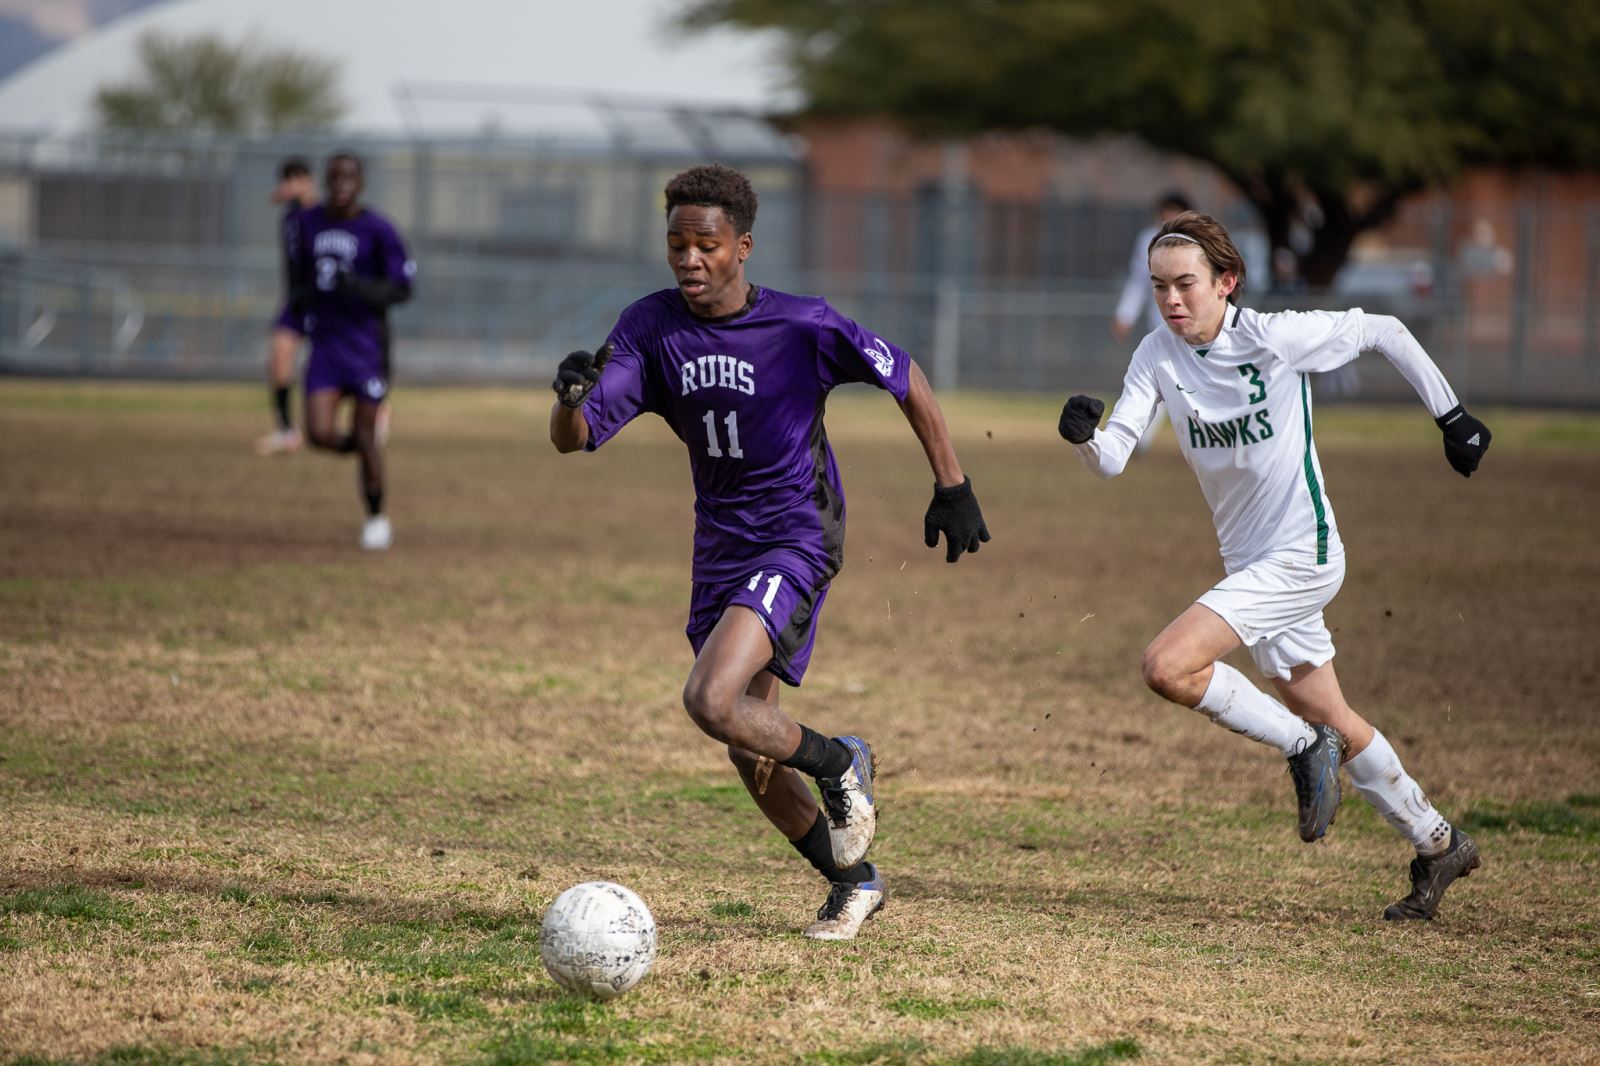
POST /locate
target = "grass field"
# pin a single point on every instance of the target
(264, 798)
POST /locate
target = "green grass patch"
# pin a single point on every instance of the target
(454, 949)
(1096, 1055)
(64, 901)
(573, 1030)
(730, 798)
(921, 1007)
(881, 1053)
(313, 899)
(1551, 818)
(439, 1004)
(270, 946)
(237, 894)
(732, 909)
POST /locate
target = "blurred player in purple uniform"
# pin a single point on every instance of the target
(350, 267)
(296, 190)
(741, 374)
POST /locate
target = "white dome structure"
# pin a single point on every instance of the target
(490, 66)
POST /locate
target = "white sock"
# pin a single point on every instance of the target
(1379, 777)
(1233, 702)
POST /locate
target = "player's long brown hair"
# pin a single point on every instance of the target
(1215, 245)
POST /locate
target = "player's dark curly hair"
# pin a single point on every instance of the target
(715, 185)
(345, 153)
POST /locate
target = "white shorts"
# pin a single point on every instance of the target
(1275, 606)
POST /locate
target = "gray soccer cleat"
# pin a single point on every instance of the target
(1431, 876)
(1315, 769)
(849, 803)
(847, 908)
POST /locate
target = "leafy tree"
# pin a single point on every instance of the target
(1323, 114)
(206, 83)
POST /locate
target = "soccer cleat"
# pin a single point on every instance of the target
(1315, 769)
(377, 534)
(279, 442)
(849, 805)
(1431, 876)
(847, 908)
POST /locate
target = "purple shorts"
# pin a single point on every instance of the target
(368, 383)
(290, 321)
(786, 605)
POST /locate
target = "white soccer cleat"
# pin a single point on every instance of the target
(377, 534)
(847, 909)
(850, 805)
(279, 442)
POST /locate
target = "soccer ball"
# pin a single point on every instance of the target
(598, 939)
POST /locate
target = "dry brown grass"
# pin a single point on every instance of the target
(268, 799)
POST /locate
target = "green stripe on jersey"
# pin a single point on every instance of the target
(1311, 480)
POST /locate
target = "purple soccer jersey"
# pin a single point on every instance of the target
(349, 339)
(746, 395)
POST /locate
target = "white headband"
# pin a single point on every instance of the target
(1180, 236)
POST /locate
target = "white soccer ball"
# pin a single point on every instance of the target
(598, 939)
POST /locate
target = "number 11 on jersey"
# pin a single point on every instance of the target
(713, 447)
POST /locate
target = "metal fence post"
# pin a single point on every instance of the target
(1591, 294)
(946, 334)
(85, 322)
(1521, 289)
(953, 233)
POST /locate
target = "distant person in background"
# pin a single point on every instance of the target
(296, 190)
(350, 266)
(1134, 303)
(1235, 385)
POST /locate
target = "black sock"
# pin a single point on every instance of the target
(348, 444)
(375, 503)
(819, 853)
(819, 756)
(280, 404)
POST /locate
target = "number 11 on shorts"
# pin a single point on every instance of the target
(772, 584)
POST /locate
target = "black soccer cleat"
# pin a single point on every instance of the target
(1315, 769)
(1431, 876)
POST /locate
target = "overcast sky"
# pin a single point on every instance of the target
(494, 66)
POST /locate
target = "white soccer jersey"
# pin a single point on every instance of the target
(1241, 407)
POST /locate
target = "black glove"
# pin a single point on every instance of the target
(1080, 417)
(577, 375)
(1465, 439)
(954, 511)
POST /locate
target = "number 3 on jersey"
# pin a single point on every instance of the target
(1248, 370)
(713, 446)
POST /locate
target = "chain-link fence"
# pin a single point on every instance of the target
(157, 257)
